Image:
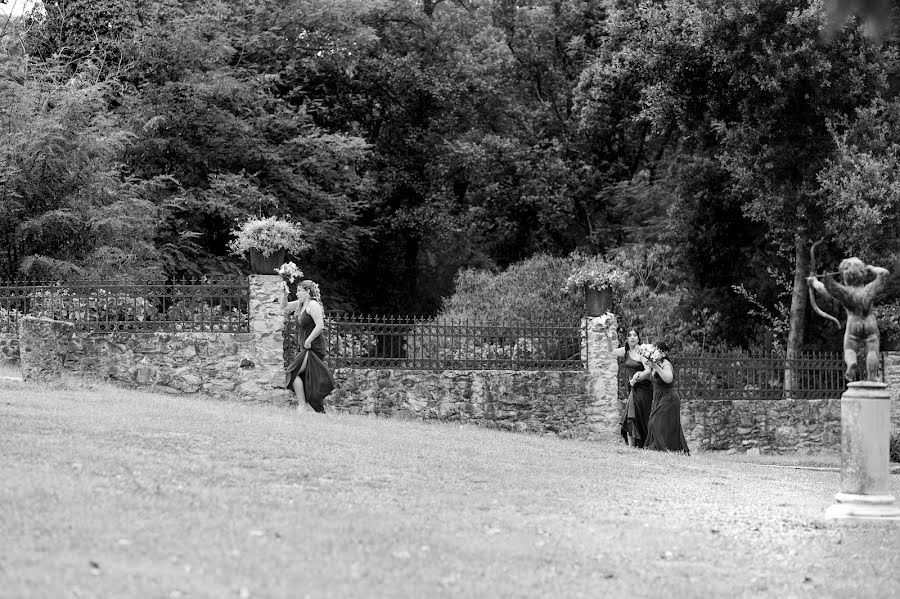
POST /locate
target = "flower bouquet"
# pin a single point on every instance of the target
(651, 353)
(289, 272)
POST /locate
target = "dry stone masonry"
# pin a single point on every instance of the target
(43, 346)
(249, 367)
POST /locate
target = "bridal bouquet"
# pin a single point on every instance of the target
(651, 352)
(289, 272)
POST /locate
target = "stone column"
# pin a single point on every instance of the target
(604, 411)
(892, 378)
(263, 364)
(865, 471)
(43, 345)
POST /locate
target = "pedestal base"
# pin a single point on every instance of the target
(864, 507)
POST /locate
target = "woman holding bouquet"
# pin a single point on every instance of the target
(307, 374)
(640, 396)
(664, 432)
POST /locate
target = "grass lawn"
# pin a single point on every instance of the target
(113, 493)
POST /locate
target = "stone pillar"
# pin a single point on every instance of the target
(264, 363)
(604, 411)
(865, 472)
(43, 344)
(891, 368)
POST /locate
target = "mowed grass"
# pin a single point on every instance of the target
(113, 493)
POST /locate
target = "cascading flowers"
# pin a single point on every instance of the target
(651, 353)
(289, 272)
(596, 273)
(268, 235)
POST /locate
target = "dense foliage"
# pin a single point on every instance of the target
(431, 147)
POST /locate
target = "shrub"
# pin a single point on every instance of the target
(895, 448)
(526, 291)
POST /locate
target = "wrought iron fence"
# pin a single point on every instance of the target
(727, 376)
(358, 341)
(206, 305)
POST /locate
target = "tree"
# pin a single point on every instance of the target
(754, 85)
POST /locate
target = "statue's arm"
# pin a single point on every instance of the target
(836, 291)
(881, 275)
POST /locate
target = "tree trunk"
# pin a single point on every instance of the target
(798, 311)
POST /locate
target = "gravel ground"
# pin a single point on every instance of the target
(111, 493)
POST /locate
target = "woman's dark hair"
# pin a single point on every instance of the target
(664, 348)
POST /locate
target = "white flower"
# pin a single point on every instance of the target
(289, 272)
(651, 352)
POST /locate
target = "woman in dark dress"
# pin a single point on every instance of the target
(640, 396)
(307, 374)
(664, 432)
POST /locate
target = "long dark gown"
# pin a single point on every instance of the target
(640, 401)
(317, 379)
(664, 432)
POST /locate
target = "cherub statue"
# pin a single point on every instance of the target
(858, 299)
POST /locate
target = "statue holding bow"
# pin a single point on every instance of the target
(858, 298)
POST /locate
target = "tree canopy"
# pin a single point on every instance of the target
(417, 140)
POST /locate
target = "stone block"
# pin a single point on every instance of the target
(43, 345)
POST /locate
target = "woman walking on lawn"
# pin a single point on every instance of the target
(640, 395)
(307, 374)
(664, 432)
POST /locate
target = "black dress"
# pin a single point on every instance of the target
(664, 432)
(640, 401)
(317, 379)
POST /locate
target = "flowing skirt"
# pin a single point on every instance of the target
(637, 414)
(664, 432)
(317, 379)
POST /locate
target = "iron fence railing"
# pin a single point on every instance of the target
(206, 305)
(358, 341)
(728, 376)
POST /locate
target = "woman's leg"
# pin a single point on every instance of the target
(298, 386)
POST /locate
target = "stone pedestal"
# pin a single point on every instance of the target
(865, 471)
(43, 344)
(604, 412)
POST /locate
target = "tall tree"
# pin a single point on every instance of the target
(756, 85)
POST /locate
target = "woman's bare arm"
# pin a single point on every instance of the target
(283, 302)
(665, 371)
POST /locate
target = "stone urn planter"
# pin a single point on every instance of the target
(261, 264)
(271, 235)
(597, 302)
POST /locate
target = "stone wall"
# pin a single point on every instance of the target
(248, 367)
(9, 349)
(235, 366)
(769, 425)
(221, 365)
(557, 402)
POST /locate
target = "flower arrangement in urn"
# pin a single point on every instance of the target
(267, 240)
(267, 236)
(595, 273)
